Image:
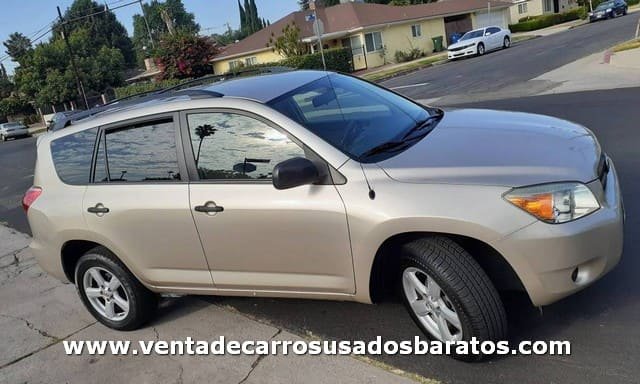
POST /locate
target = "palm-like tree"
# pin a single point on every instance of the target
(202, 132)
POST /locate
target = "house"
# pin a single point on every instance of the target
(374, 32)
(527, 8)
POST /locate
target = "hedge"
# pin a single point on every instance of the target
(134, 89)
(337, 59)
(544, 21)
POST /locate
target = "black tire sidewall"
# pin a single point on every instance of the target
(131, 286)
(415, 262)
(507, 42)
(480, 52)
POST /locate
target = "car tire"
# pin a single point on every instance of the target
(481, 49)
(461, 288)
(2, 138)
(624, 13)
(506, 43)
(124, 303)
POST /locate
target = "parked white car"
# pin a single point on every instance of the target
(9, 130)
(479, 41)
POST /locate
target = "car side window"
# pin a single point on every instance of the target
(493, 30)
(143, 152)
(233, 146)
(72, 156)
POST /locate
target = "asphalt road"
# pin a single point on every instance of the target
(506, 71)
(601, 321)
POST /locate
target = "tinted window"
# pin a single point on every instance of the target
(493, 30)
(352, 115)
(72, 156)
(232, 146)
(473, 34)
(144, 152)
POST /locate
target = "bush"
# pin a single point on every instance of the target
(633, 2)
(184, 56)
(544, 21)
(133, 89)
(338, 60)
(412, 54)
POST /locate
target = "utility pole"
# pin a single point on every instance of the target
(73, 59)
(317, 26)
(146, 23)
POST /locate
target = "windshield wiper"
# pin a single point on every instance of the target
(429, 122)
(385, 147)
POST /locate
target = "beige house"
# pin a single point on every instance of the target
(528, 8)
(374, 32)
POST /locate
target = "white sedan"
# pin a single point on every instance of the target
(479, 41)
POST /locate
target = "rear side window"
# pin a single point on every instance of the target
(72, 156)
(139, 153)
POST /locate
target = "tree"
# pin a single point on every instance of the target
(182, 21)
(305, 4)
(184, 55)
(18, 45)
(103, 27)
(289, 43)
(46, 75)
(6, 86)
(250, 21)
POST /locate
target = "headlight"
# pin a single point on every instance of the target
(554, 203)
(590, 13)
(608, 9)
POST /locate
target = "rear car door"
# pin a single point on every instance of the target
(261, 238)
(495, 37)
(138, 203)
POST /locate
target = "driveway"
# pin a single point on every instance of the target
(601, 321)
(506, 73)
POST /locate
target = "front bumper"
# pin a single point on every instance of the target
(556, 260)
(462, 53)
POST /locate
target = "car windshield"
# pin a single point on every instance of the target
(604, 6)
(352, 115)
(472, 34)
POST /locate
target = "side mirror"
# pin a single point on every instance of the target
(294, 173)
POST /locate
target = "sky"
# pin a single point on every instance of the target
(30, 16)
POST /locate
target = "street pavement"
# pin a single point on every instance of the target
(507, 73)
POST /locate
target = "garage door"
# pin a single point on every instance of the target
(485, 19)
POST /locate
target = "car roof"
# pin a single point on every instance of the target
(264, 88)
(261, 88)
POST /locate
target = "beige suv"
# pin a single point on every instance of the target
(319, 185)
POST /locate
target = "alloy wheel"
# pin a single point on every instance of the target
(105, 293)
(431, 305)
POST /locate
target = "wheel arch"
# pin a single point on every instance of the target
(382, 279)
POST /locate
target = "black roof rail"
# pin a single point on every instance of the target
(182, 89)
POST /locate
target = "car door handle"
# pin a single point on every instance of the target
(99, 209)
(209, 207)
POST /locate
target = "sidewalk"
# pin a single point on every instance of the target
(604, 70)
(38, 312)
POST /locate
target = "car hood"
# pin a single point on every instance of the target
(487, 147)
(464, 42)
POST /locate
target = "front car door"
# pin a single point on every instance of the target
(139, 203)
(255, 237)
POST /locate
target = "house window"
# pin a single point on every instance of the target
(235, 64)
(250, 61)
(547, 5)
(373, 41)
(416, 30)
(523, 8)
(354, 43)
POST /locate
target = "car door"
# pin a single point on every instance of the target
(138, 203)
(494, 38)
(254, 236)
